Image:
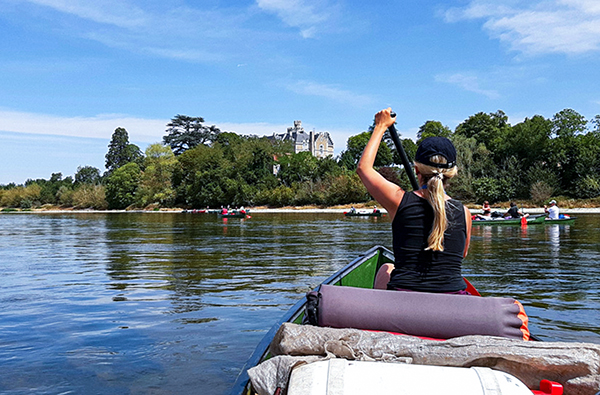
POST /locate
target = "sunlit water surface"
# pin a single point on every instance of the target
(169, 303)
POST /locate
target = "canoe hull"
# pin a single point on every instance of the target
(349, 214)
(358, 273)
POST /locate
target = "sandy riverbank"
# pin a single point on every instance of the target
(298, 209)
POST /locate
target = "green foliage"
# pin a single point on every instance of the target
(298, 167)
(156, 185)
(356, 145)
(487, 129)
(87, 175)
(121, 152)
(122, 185)
(492, 190)
(184, 133)
(432, 129)
(90, 196)
(345, 189)
(541, 192)
(21, 196)
(589, 186)
(542, 173)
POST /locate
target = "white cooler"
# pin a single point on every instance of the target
(340, 376)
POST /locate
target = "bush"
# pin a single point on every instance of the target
(588, 187)
(90, 196)
(122, 186)
(346, 189)
(23, 197)
(541, 191)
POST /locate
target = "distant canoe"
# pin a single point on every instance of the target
(562, 221)
(194, 212)
(512, 221)
(362, 214)
(233, 214)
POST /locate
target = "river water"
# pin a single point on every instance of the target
(169, 303)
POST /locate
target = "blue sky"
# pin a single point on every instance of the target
(72, 71)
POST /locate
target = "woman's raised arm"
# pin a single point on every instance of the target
(385, 192)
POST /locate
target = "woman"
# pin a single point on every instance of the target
(431, 231)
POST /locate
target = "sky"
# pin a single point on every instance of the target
(72, 71)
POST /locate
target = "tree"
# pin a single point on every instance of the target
(432, 129)
(120, 151)
(488, 129)
(156, 184)
(567, 126)
(87, 175)
(122, 185)
(356, 145)
(568, 123)
(184, 132)
(298, 167)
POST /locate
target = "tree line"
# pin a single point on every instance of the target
(199, 166)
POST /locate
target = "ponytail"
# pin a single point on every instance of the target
(436, 179)
(437, 199)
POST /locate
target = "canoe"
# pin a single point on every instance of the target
(358, 277)
(561, 221)
(358, 273)
(531, 220)
(194, 212)
(233, 214)
(362, 214)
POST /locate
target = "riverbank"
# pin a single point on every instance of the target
(296, 209)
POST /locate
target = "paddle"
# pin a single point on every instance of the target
(413, 180)
(403, 157)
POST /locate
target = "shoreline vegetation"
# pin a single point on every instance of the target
(198, 166)
(567, 206)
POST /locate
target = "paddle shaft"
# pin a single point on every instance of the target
(403, 157)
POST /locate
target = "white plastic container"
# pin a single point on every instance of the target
(342, 377)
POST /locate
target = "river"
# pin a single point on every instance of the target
(170, 303)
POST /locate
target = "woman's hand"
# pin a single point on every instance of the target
(384, 118)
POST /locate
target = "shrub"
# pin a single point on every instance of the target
(541, 191)
(588, 187)
(90, 196)
(23, 197)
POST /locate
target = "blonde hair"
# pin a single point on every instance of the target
(436, 179)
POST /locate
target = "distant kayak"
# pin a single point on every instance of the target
(363, 213)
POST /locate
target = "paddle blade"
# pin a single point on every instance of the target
(471, 289)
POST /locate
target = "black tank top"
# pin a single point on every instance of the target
(427, 271)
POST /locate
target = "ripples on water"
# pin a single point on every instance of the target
(174, 304)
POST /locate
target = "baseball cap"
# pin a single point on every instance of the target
(432, 146)
(552, 201)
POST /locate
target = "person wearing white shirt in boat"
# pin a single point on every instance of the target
(552, 211)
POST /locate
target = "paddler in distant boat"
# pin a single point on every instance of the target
(486, 212)
(430, 230)
(552, 211)
(514, 212)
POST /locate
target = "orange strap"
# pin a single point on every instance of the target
(525, 320)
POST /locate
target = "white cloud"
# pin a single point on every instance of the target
(100, 126)
(117, 13)
(331, 92)
(162, 30)
(308, 16)
(537, 27)
(467, 82)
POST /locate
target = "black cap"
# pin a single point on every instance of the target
(432, 146)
